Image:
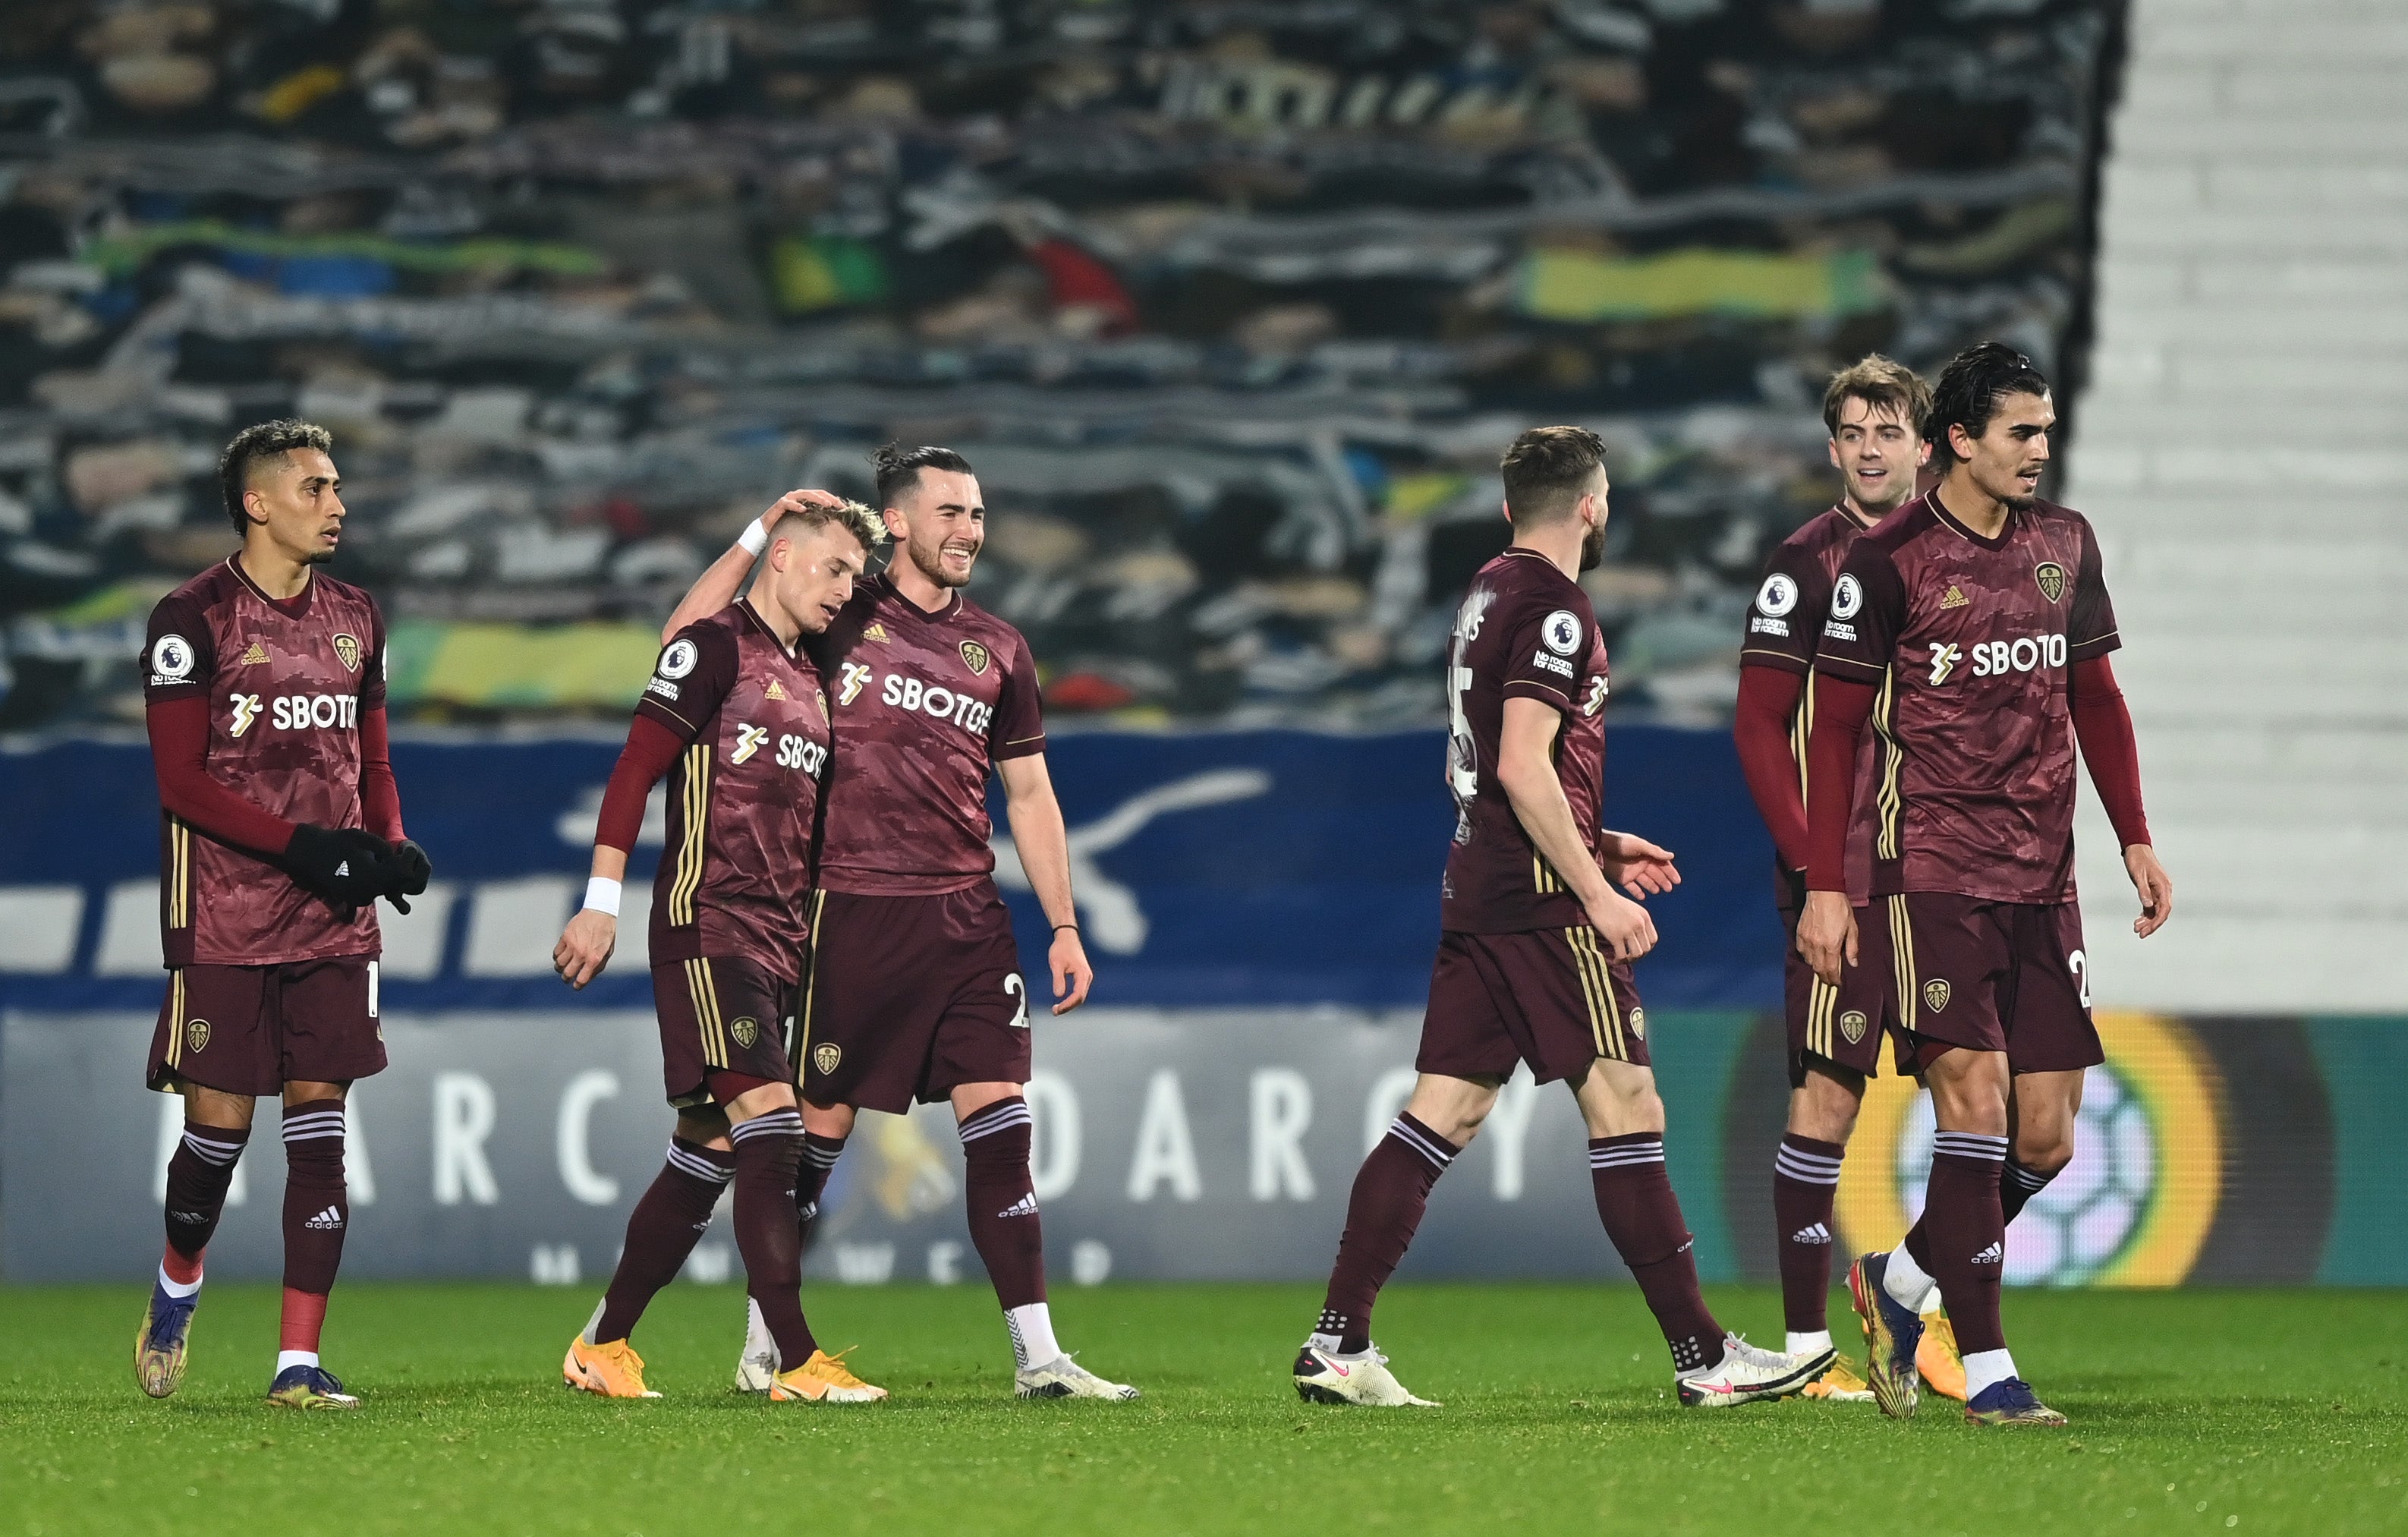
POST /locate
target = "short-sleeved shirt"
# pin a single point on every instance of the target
(1525, 631)
(287, 681)
(1970, 641)
(1784, 623)
(925, 705)
(736, 872)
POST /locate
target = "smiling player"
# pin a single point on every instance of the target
(915, 992)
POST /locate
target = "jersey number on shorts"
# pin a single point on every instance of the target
(1018, 988)
(2079, 964)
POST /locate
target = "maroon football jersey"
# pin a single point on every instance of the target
(925, 703)
(1783, 625)
(1526, 631)
(286, 681)
(1969, 640)
(737, 868)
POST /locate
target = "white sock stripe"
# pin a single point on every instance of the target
(1626, 1158)
(986, 1123)
(313, 1132)
(1427, 1146)
(777, 1123)
(1806, 1173)
(2027, 1178)
(1803, 1158)
(220, 1153)
(701, 1169)
(822, 1157)
(1969, 1144)
(316, 1117)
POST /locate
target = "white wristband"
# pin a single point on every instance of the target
(754, 538)
(602, 895)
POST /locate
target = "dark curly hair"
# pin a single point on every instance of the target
(261, 440)
(1971, 388)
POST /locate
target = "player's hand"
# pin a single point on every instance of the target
(349, 867)
(1073, 974)
(1637, 866)
(795, 502)
(412, 870)
(2157, 888)
(1827, 934)
(1625, 927)
(585, 946)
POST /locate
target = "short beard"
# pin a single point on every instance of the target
(1593, 549)
(935, 570)
(317, 557)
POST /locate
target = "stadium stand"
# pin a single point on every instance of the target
(2241, 448)
(1233, 305)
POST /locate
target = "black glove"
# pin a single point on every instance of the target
(349, 867)
(412, 870)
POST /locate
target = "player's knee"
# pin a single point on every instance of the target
(833, 1122)
(2045, 1152)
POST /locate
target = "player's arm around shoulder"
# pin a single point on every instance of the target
(1526, 772)
(719, 583)
(1044, 846)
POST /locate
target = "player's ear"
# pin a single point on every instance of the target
(1922, 456)
(897, 528)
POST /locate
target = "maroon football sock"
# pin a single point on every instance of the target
(2018, 1184)
(1642, 1217)
(1805, 1177)
(1391, 1191)
(769, 1150)
(1002, 1201)
(1968, 1233)
(810, 1180)
(198, 1177)
(668, 1220)
(317, 1206)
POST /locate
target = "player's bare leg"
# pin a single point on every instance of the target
(1339, 1363)
(1712, 1366)
(316, 1214)
(217, 1124)
(996, 1131)
(668, 1220)
(1805, 1178)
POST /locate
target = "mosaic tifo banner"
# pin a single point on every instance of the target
(1221, 1144)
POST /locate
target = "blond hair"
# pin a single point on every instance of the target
(853, 517)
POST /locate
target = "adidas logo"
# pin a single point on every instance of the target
(1024, 1206)
(1955, 600)
(325, 1220)
(875, 632)
(343, 868)
(255, 656)
(773, 691)
(1815, 1234)
(811, 1212)
(1994, 1255)
(189, 1217)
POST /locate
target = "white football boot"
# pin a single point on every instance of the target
(1326, 1377)
(1747, 1372)
(1064, 1378)
(758, 1367)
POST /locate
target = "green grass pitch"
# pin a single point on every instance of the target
(2193, 1412)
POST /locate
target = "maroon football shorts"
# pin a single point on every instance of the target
(252, 1029)
(1990, 977)
(1842, 1026)
(1549, 998)
(720, 1015)
(909, 997)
